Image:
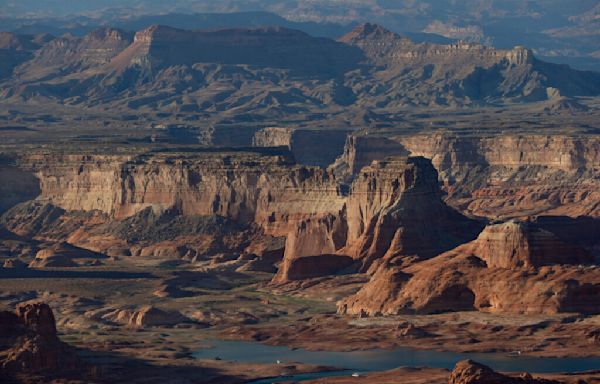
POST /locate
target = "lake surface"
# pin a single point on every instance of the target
(381, 360)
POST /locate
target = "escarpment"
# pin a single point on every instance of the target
(246, 186)
(17, 185)
(392, 210)
(390, 222)
(170, 202)
(310, 147)
(512, 267)
(516, 175)
(497, 175)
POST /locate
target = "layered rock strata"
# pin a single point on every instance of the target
(511, 267)
(393, 212)
(394, 209)
(170, 202)
(309, 147)
(498, 176)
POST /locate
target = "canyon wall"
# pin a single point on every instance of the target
(516, 175)
(254, 186)
(392, 210)
(499, 176)
(391, 222)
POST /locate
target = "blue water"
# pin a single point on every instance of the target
(381, 360)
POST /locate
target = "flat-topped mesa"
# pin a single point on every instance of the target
(362, 150)
(517, 175)
(250, 186)
(510, 268)
(309, 146)
(166, 34)
(158, 47)
(393, 211)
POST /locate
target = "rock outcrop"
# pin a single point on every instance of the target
(471, 372)
(393, 212)
(147, 316)
(69, 53)
(30, 343)
(456, 73)
(61, 255)
(279, 71)
(511, 267)
(175, 203)
(14, 264)
(172, 204)
(395, 209)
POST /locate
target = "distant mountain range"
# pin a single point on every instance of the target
(556, 30)
(274, 71)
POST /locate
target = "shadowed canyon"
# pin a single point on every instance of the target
(165, 191)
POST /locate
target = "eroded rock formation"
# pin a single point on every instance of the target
(30, 344)
(511, 267)
(393, 212)
(471, 372)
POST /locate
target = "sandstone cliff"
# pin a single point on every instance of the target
(393, 212)
(309, 147)
(497, 175)
(511, 267)
(512, 175)
(178, 203)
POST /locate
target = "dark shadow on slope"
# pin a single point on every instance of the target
(6, 273)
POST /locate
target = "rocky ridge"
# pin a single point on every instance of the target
(282, 71)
